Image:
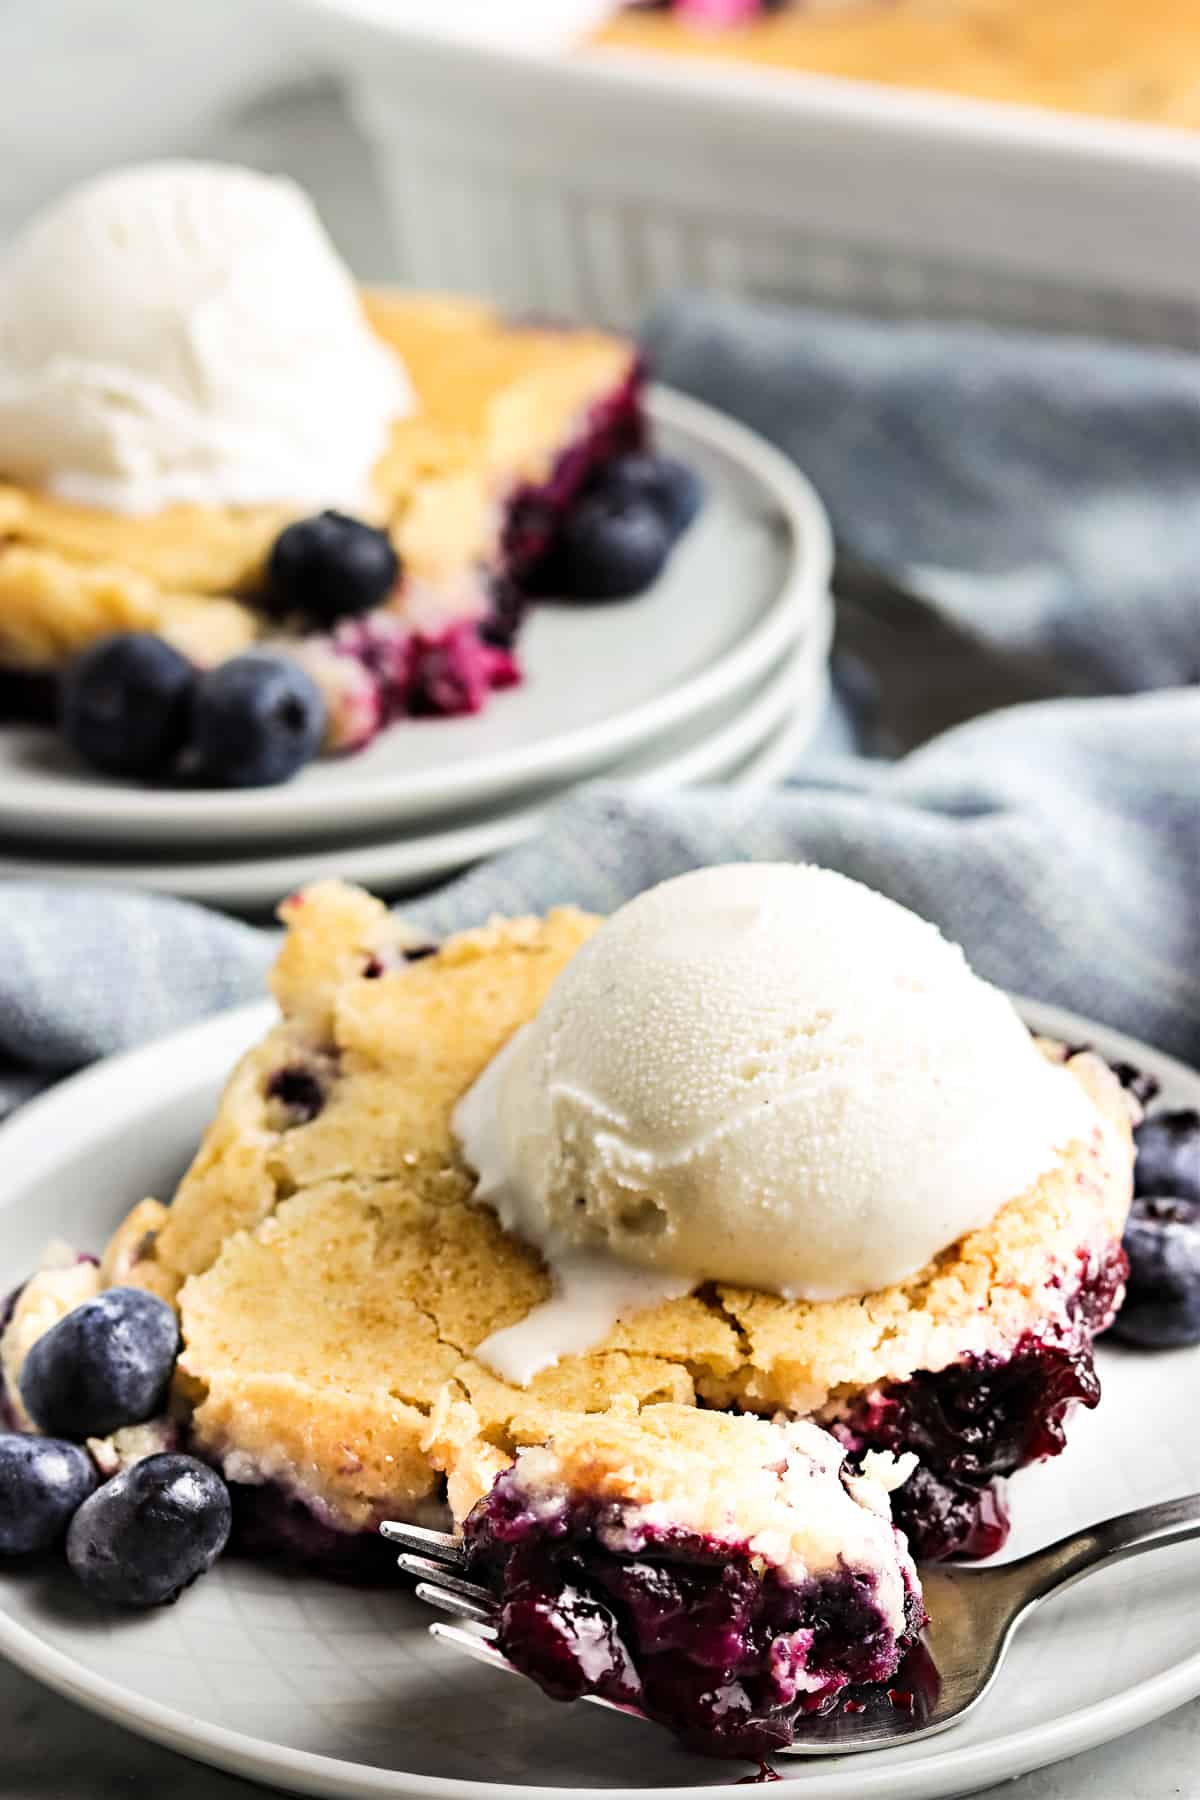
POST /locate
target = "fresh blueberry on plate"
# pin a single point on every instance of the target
(674, 489)
(256, 721)
(1168, 1154)
(125, 701)
(150, 1531)
(43, 1481)
(1135, 1081)
(612, 546)
(106, 1364)
(329, 567)
(1162, 1297)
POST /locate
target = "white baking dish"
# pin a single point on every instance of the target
(587, 185)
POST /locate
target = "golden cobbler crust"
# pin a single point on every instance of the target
(334, 1278)
(496, 403)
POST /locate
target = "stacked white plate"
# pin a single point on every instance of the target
(718, 674)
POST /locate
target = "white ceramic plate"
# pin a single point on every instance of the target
(751, 745)
(329, 1691)
(602, 682)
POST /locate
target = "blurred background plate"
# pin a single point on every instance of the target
(750, 745)
(746, 586)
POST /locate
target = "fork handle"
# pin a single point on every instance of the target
(1060, 1565)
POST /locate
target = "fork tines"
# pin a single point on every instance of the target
(443, 1546)
(459, 1606)
(437, 1560)
(426, 1569)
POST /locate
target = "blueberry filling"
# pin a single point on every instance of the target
(725, 1651)
(452, 673)
(979, 1420)
(510, 603)
(299, 1092)
(272, 1525)
(615, 427)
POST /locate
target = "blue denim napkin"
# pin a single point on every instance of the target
(1045, 492)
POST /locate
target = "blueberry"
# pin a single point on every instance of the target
(329, 566)
(509, 604)
(670, 487)
(1168, 1154)
(107, 1364)
(42, 1482)
(1136, 1081)
(1162, 1299)
(299, 1091)
(611, 547)
(125, 704)
(256, 720)
(150, 1531)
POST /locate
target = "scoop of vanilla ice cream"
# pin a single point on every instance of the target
(187, 332)
(766, 1075)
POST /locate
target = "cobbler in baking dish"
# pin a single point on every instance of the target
(1109, 58)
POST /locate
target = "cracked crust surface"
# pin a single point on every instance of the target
(334, 1278)
(497, 404)
(1115, 58)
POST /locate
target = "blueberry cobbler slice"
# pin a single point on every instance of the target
(348, 1306)
(724, 1574)
(392, 1263)
(245, 520)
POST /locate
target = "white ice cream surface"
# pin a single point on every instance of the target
(766, 1075)
(185, 332)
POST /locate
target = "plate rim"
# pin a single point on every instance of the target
(792, 694)
(34, 1140)
(127, 815)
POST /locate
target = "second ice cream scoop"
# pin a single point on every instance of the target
(186, 332)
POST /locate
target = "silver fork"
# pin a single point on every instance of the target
(974, 1613)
